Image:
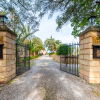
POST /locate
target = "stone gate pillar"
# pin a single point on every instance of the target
(7, 54)
(89, 66)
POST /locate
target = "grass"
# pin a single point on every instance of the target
(10, 82)
(31, 64)
(96, 93)
(93, 84)
(34, 57)
(52, 53)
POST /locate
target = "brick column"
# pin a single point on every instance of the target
(89, 68)
(7, 64)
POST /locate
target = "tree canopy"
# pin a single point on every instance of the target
(35, 44)
(52, 44)
(21, 11)
(77, 11)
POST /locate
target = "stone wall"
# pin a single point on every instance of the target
(7, 64)
(68, 60)
(89, 68)
(57, 58)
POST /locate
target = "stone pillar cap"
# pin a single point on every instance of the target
(90, 28)
(5, 28)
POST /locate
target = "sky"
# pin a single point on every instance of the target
(47, 29)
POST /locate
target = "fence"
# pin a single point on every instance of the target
(22, 59)
(69, 60)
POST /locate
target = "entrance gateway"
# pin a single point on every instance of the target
(22, 59)
(69, 62)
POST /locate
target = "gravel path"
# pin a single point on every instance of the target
(46, 82)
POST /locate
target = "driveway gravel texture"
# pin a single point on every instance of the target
(45, 81)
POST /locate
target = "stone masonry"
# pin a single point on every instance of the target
(7, 64)
(89, 69)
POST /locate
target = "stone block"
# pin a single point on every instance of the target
(93, 34)
(2, 33)
(7, 45)
(4, 51)
(13, 37)
(94, 69)
(81, 42)
(8, 78)
(94, 63)
(88, 34)
(4, 57)
(13, 66)
(86, 51)
(80, 56)
(81, 75)
(9, 57)
(13, 71)
(3, 69)
(88, 57)
(94, 80)
(87, 68)
(13, 46)
(81, 47)
(88, 46)
(3, 63)
(9, 40)
(9, 73)
(8, 68)
(13, 76)
(13, 42)
(81, 66)
(3, 75)
(81, 37)
(14, 52)
(10, 62)
(81, 52)
(4, 38)
(13, 57)
(86, 78)
(94, 75)
(10, 51)
(84, 62)
(3, 80)
(88, 40)
(8, 34)
(86, 73)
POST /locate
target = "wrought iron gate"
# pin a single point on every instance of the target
(69, 62)
(22, 59)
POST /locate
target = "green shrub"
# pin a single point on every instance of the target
(64, 50)
(34, 57)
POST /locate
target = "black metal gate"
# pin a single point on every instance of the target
(69, 62)
(22, 59)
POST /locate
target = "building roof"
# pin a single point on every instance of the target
(90, 28)
(5, 28)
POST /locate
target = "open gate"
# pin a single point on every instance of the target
(69, 62)
(22, 59)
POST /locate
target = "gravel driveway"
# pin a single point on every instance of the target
(46, 82)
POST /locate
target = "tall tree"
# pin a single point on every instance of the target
(51, 44)
(20, 10)
(57, 43)
(35, 44)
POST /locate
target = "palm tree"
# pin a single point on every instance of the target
(24, 33)
(50, 44)
(35, 45)
(57, 43)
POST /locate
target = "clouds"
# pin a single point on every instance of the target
(48, 28)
